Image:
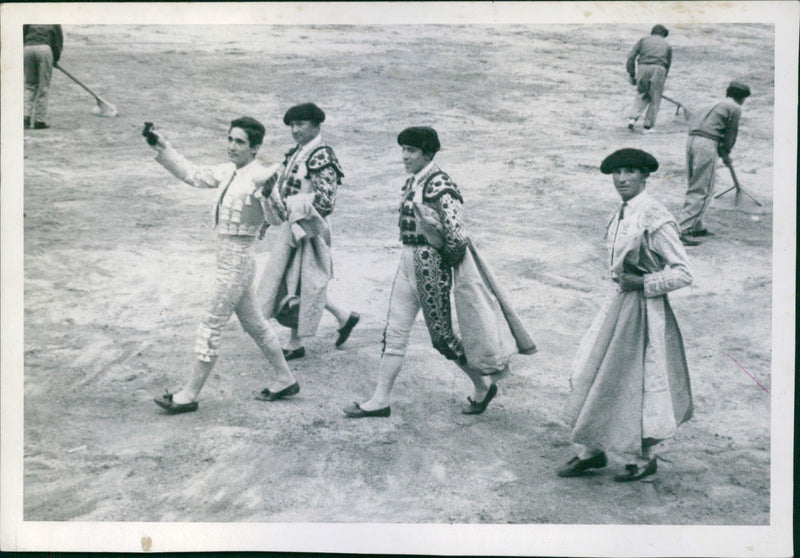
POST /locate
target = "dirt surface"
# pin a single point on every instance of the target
(118, 254)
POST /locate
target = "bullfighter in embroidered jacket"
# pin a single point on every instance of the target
(429, 200)
(300, 263)
(630, 382)
(239, 216)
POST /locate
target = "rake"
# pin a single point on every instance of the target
(104, 108)
(737, 187)
(678, 107)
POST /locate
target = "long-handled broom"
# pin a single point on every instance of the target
(104, 108)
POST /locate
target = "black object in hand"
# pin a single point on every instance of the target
(633, 269)
(152, 137)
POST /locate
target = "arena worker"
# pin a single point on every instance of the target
(42, 47)
(648, 65)
(712, 132)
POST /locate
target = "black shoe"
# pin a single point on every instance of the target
(355, 411)
(476, 408)
(687, 241)
(636, 472)
(348, 326)
(40, 126)
(293, 354)
(267, 395)
(166, 403)
(702, 232)
(577, 467)
(27, 121)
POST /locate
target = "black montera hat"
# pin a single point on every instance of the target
(422, 137)
(306, 111)
(629, 158)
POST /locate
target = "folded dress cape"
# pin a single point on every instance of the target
(293, 287)
(490, 329)
(630, 368)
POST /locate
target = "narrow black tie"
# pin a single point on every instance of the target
(622, 210)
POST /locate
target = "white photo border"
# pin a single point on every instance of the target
(565, 540)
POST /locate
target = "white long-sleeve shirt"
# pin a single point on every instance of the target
(239, 209)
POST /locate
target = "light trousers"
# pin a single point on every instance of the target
(650, 80)
(38, 71)
(233, 292)
(701, 160)
(422, 281)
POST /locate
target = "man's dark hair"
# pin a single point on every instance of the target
(737, 91)
(252, 127)
(659, 29)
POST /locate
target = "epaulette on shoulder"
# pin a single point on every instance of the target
(654, 215)
(323, 156)
(439, 184)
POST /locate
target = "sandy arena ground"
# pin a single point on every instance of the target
(118, 254)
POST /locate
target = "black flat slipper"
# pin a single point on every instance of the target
(267, 395)
(355, 411)
(476, 408)
(166, 403)
(344, 333)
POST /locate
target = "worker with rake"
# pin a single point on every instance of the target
(648, 65)
(713, 132)
(42, 46)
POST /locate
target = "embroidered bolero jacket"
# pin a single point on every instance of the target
(319, 173)
(440, 205)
